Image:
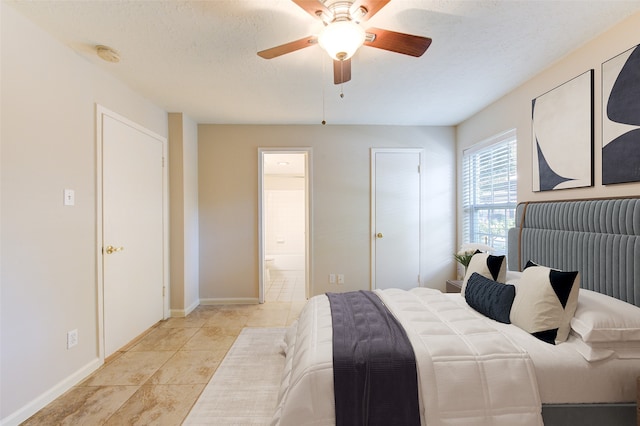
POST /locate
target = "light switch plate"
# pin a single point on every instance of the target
(69, 197)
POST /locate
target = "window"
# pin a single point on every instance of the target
(489, 191)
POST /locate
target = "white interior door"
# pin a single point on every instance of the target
(396, 218)
(133, 226)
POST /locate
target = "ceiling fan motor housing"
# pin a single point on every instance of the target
(343, 35)
(341, 10)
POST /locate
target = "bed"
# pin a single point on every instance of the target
(497, 373)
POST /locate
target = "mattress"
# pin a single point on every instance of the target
(560, 374)
(565, 377)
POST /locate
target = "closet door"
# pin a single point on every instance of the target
(132, 232)
(396, 200)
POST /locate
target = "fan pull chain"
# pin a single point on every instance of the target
(341, 79)
(322, 85)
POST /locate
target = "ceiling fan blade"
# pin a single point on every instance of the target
(372, 7)
(313, 7)
(288, 47)
(341, 71)
(406, 44)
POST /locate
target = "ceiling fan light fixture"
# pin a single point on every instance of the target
(341, 39)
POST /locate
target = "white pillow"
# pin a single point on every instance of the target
(487, 265)
(588, 352)
(602, 318)
(545, 302)
(598, 351)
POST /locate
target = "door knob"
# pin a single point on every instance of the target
(379, 235)
(112, 249)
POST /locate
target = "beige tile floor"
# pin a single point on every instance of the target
(157, 379)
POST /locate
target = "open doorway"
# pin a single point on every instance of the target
(284, 224)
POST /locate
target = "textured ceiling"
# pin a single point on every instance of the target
(199, 57)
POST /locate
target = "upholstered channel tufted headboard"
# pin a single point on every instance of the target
(599, 238)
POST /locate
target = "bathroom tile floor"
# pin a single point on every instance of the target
(285, 286)
(157, 379)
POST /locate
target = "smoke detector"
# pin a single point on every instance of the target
(107, 53)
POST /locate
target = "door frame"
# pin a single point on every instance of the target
(373, 152)
(101, 111)
(307, 151)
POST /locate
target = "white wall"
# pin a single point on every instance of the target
(48, 267)
(191, 219)
(514, 111)
(228, 185)
(284, 232)
(284, 216)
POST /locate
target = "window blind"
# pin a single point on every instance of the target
(489, 191)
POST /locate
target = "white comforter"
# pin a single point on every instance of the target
(469, 372)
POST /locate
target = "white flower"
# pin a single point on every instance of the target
(464, 252)
(467, 251)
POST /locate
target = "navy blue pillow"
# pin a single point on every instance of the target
(490, 298)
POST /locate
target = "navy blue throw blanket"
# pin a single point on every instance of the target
(374, 367)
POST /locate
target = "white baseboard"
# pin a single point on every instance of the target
(181, 313)
(46, 398)
(230, 301)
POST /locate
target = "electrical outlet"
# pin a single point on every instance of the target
(72, 338)
(340, 279)
(332, 278)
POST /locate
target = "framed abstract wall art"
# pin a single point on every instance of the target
(562, 135)
(621, 118)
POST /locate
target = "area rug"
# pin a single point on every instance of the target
(244, 389)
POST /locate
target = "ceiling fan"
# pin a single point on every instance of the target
(342, 34)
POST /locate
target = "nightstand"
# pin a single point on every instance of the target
(454, 286)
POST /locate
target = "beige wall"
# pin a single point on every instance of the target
(183, 192)
(514, 111)
(228, 200)
(48, 251)
(48, 267)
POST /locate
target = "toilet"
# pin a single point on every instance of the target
(268, 264)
